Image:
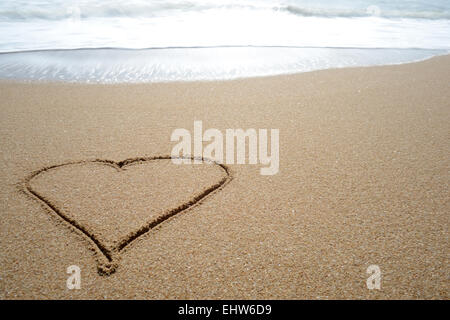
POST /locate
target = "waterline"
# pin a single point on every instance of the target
(108, 65)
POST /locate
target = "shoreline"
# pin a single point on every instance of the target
(363, 181)
(133, 66)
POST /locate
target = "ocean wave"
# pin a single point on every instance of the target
(86, 11)
(59, 10)
(21, 10)
(367, 12)
(68, 24)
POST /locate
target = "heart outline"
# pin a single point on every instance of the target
(112, 256)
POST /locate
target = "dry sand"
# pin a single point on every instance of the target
(364, 179)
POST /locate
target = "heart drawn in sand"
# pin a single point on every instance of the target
(114, 203)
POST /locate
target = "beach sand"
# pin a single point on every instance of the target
(363, 180)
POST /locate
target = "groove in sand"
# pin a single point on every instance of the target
(112, 255)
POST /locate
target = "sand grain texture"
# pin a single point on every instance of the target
(364, 179)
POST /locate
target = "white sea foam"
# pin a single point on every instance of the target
(212, 63)
(302, 35)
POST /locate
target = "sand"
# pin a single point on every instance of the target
(364, 180)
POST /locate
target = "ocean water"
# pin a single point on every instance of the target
(139, 41)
